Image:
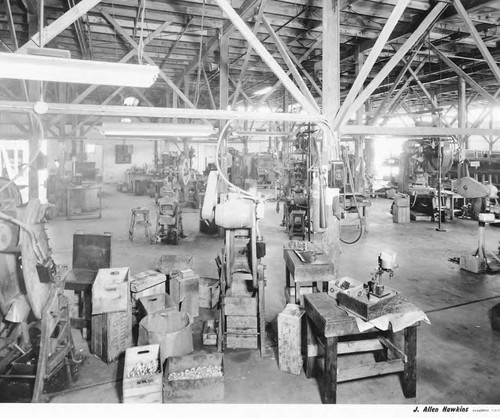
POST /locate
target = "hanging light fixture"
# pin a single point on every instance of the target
(66, 70)
(156, 129)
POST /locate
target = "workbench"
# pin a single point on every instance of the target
(330, 326)
(299, 274)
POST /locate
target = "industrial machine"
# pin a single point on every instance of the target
(169, 220)
(35, 335)
(297, 185)
(241, 273)
(422, 165)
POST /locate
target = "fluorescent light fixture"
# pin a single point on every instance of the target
(263, 91)
(66, 70)
(156, 129)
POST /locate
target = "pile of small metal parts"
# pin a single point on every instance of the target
(201, 372)
(144, 368)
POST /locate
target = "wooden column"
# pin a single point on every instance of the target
(331, 105)
(462, 113)
(359, 180)
(223, 89)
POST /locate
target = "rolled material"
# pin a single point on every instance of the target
(235, 214)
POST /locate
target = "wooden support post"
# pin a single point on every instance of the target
(266, 56)
(462, 115)
(223, 90)
(364, 72)
(331, 105)
(359, 140)
(330, 372)
(59, 25)
(410, 371)
(284, 52)
(399, 77)
(145, 56)
(424, 26)
(477, 38)
(248, 54)
(462, 74)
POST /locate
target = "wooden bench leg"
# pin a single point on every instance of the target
(410, 371)
(330, 372)
(309, 343)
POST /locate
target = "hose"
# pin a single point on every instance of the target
(346, 162)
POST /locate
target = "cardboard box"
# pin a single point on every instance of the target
(209, 292)
(146, 283)
(345, 285)
(184, 290)
(148, 305)
(142, 388)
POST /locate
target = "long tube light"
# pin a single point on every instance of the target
(156, 129)
(43, 68)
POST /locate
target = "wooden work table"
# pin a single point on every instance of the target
(299, 273)
(330, 326)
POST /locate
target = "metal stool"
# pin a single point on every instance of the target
(134, 220)
(297, 226)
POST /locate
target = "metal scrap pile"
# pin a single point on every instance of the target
(201, 372)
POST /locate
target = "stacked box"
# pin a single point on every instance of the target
(149, 282)
(111, 314)
(200, 389)
(241, 311)
(184, 289)
(142, 375)
(289, 339)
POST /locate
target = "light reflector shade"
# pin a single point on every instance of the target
(66, 70)
(156, 129)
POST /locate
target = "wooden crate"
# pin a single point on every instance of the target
(110, 291)
(111, 314)
(240, 305)
(193, 390)
(289, 339)
(419, 217)
(241, 321)
(242, 341)
(146, 283)
(473, 264)
(154, 303)
(111, 334)
(371, 308)
(209, 292)
(146, 388)
(185, 291)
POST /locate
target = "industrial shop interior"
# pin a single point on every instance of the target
(250, 202)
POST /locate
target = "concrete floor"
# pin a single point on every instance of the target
(458, 355)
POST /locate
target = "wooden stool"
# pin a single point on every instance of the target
(332, 327)
(297, 226)
(134, 220)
